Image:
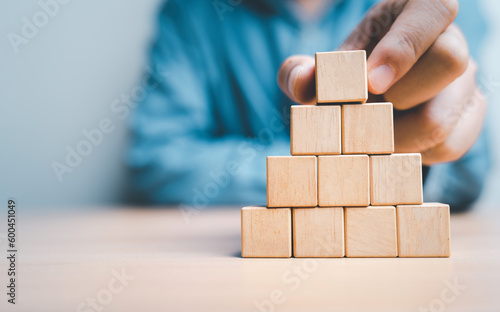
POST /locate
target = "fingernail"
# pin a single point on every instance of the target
(294, 75)
(381, 78)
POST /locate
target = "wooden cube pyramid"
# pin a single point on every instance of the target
(344, 192)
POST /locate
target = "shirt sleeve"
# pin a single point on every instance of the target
(177, 154)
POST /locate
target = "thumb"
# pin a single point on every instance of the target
(296, 78)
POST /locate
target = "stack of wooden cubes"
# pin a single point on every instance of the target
(344, 192)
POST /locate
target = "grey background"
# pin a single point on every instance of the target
(65, 79)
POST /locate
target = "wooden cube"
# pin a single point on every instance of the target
(396, 179)
(318, 232)
(315, 130)
(370, 232)
(266, 232)
(341, 77)
(343, 180)
(367, 129)
(292, 181)
(423, 230)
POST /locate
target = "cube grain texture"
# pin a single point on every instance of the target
(396, 179)
(315, 130)
(341, 77)
(343, 180)
(423, 230)
(266, 232)
(367, 129)
(292, 181)
(370, 232)
(318, 232)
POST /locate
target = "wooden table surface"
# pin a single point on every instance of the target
(124, 259)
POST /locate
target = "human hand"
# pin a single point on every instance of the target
(419, 61)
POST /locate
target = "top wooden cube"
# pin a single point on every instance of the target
(341, 77)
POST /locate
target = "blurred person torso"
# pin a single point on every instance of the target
(214, 110)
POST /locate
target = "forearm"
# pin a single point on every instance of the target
(201, 172)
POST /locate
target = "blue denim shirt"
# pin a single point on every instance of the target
(214, 111)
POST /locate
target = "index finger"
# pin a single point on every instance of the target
(411, 34)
